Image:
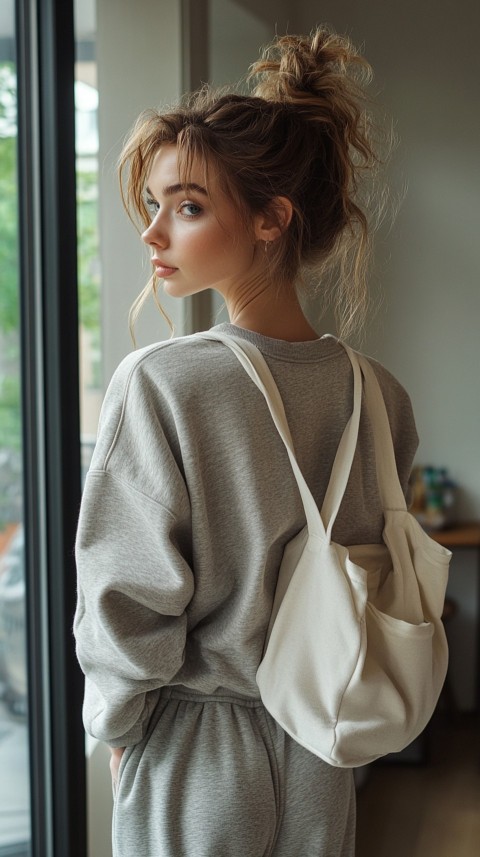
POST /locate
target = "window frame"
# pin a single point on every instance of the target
(45, 47)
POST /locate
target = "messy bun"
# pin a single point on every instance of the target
(323, 78)
(305, 132)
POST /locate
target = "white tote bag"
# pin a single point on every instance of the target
(356, 653)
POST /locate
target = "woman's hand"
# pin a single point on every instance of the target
(115, 758)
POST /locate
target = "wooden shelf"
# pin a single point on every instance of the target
(460, 535)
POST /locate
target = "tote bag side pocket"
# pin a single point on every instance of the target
(381, 713)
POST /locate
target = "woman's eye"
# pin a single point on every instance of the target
(190, 209)
(152, 205)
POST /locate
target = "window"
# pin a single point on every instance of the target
(42, 795)
(14, 766)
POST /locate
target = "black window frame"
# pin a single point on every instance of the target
(45, 51)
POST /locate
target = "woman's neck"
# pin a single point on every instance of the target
(276, 314)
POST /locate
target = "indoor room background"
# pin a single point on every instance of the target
(426, 272)
(135, 54)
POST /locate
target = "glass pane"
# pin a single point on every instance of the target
(14, 763)
(86, 113)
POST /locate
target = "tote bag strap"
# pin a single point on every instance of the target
(390, 489)
(256, 367)
(343, 460)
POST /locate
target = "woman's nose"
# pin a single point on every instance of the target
(154, 234)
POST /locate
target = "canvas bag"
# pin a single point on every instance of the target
(356, 653)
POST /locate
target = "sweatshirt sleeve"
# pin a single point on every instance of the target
(402, 424)
(134, 576)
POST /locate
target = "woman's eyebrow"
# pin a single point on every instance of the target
(172, 189)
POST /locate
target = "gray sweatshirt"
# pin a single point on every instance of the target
(188, 504)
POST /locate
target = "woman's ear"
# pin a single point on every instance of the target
(274, 220)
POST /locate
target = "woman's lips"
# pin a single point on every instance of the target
(163, 270)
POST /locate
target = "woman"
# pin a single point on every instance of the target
(190, 498)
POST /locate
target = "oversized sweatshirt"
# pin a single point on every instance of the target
(187, 507)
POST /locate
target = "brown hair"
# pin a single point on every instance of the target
(305, 132)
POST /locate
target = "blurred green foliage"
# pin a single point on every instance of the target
(88, 260)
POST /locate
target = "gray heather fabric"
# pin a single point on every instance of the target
(216, 776)
(187, 507)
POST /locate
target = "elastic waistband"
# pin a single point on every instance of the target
(220, 695)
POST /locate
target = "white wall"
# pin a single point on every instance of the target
(427, 66)
(237, 30)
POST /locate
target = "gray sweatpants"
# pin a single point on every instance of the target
(216, 776)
